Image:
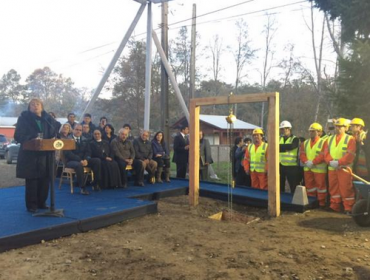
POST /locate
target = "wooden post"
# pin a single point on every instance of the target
(273, 157)
(194, 154)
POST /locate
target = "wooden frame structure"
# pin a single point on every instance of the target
(273, 140)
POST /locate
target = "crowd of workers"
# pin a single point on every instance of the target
(323, 163)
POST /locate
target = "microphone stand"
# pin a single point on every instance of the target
(52, 212)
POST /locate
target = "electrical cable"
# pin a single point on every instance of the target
(219, 19)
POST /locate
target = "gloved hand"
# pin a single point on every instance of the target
(309, 164)
(334, 163)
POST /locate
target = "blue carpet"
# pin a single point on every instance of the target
(16, 220)
(19, 228)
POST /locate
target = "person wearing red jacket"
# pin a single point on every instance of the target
(315, 168)
(340, 152)
(255, 160)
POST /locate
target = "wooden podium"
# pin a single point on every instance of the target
(50, 145)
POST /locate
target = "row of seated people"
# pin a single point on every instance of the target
(109, 155)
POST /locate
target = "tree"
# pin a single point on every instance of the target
(216, 49)
(58, 93)
(268, 57)
(353, 65)
(129, 86)
(10, 88)
(354, 15)
(243, 53)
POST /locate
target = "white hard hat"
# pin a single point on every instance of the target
(285, 124)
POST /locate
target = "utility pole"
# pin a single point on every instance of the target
(192, 58)
(165, 126)
(148, 67)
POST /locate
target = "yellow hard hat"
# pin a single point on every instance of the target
(341, 122)
(358, 121)
(315, 126)
(258, 131)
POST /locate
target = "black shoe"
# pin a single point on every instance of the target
(84, 191)
(139, 184)
(32, 210)
(43, 206)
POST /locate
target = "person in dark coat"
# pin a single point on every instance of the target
(144, 154)
(161, 155)
(80, 157)
(181, 151)
(110, 173)
(124, 154)
(108, 134)
(86, 132)
(71, 119)
(88, 120)
(239, 175)
(34, 165)
(205, 156)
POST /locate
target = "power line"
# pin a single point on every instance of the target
(198, 16)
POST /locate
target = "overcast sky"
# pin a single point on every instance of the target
(77, 38)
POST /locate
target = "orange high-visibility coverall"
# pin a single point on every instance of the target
(259, 179)
(315, 181)
(340, 182)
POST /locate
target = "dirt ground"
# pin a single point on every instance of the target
(181, 242)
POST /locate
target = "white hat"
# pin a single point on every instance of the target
(285, 124)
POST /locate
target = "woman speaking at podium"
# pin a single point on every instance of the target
(33, 165)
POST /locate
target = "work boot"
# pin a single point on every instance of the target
(167, 174)
(159, 175)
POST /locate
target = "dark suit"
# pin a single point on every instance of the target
(34, 165)
(74, 158)
(180, 155)
(205, 157)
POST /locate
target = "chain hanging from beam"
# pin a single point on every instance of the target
(230, 119)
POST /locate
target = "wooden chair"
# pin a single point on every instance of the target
(69, 172)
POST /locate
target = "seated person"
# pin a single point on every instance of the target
(102, 123)
(88, 120)
(80, 157)
(108, 134)
(144, 153)
(86, 133)
(161, 155)
(110, 174)
(124, 154)
(65, 131)
(128, 127)
(71, 119)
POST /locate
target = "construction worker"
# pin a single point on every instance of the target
(340, 152)
(315, 168)
(360, 164)
(255, 160)
(289, 169)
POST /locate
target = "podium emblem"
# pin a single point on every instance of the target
(58, 144)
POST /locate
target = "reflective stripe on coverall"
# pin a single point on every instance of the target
(341, 148)
(255, 162)
(315, 178)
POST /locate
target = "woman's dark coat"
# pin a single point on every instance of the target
(32, 164)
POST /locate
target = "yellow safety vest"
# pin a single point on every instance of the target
(337, 152)
(257, 159)
(312, 153)
(288, 158)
